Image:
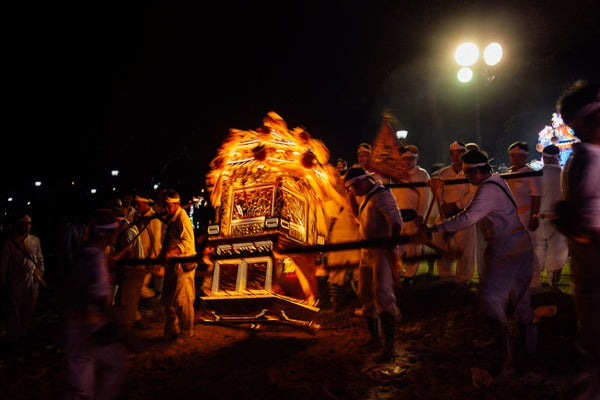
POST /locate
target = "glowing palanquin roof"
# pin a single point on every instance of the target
(274, 149)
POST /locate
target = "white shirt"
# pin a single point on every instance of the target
(551, 187)
(523, 189)
(416, 198)
(462, 193)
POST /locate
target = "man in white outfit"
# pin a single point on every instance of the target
(412, 198)
(552, 248)
(527, 194)
(454, 199)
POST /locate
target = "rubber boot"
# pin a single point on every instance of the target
(334, 295)
(502, 359)
(374, 344)
(388, 326)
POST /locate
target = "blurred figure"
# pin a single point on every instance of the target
(379, 217)
(129, 278)
(579, 220)
(115, 204)
(21, 271)
(179, 282)
(415, 199)
(68, 236)
(527, 193)
(95, 358)
(343, 227)
(552, 248)
(127, 207)
(452, 200)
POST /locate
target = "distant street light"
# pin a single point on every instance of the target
(467, 55)
(401, 134)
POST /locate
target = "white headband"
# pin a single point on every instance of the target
(142, 199)
(457, 146)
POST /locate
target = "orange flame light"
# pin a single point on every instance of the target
(274, 148)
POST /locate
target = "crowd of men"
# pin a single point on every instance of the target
(509, 229)
(505, 228)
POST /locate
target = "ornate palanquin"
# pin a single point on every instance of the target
(268, 187)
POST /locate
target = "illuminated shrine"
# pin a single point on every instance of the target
(558, 134)
(268, 187)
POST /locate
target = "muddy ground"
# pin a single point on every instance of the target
(439, 352)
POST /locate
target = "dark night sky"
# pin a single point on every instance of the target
(153, 90)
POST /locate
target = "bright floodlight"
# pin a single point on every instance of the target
(401, 134)
(492, 54)
(466, 54)
(38, 183)
(465, 74)
(114, 172)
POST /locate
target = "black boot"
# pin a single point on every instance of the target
(334, 295)
(502, 358)
(388, 326)
(374, 343)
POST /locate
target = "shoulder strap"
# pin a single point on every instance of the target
(505, 192)
(362, 206)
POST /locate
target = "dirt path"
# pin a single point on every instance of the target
(437, 347)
